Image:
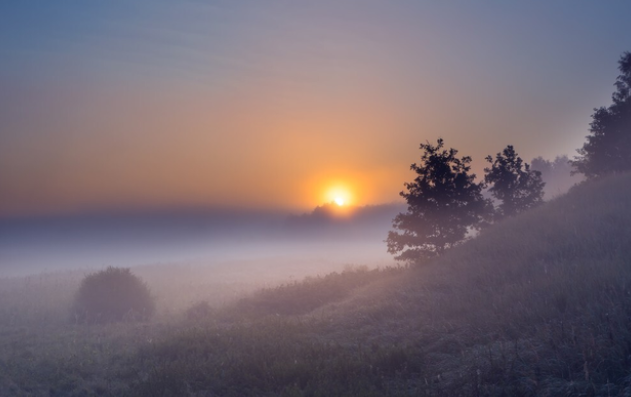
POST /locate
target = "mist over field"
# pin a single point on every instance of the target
(315, 242)
(315, 199)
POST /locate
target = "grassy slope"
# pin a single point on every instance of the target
(537, 305)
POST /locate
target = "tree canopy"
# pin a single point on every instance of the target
(444, 203)
(608, 147)
(513, 183)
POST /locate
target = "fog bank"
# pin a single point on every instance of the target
(326, 238)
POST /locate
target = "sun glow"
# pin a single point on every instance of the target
(339, 195)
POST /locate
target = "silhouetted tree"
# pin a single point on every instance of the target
(444, 203)
(608, 147)
(513, 183)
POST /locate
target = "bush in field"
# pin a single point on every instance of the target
(113, 294)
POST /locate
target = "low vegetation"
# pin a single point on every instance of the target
(303, 297)
(113, 294)
(537, 305)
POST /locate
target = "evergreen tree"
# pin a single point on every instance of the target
(513, 183)
(444, 203)
(608, 147)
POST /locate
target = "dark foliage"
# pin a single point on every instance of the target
(513, 183)
(444, 202)
(608, 147)
(113, 294)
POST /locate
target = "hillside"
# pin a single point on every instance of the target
(538, 305)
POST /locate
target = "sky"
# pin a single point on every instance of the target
(284, 105)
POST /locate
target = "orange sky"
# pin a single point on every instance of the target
(273, 107)
(152, 148)
(118, 148)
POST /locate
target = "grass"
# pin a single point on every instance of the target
(253, 360)
(538, 305)
(297, 298)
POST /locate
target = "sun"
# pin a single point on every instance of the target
(338, 195)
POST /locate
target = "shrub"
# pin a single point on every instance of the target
(113, 294)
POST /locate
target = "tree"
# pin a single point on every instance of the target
(513, 183)
(444, 203)
(112, 294)
(608, 147)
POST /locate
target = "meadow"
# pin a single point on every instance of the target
(536, 305)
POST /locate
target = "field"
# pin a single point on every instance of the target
(537, 305)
